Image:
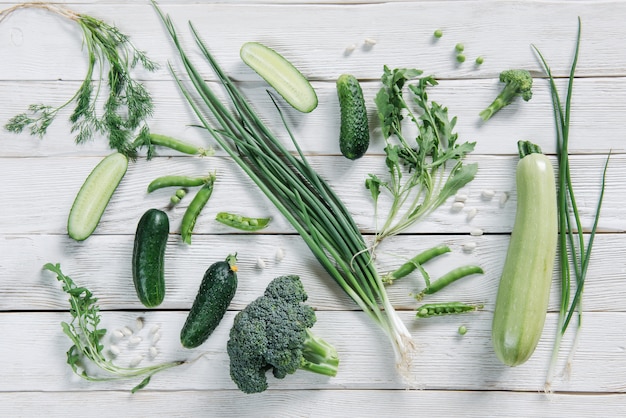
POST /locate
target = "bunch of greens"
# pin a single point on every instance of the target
(422, 174)
(573, 252)
(128, 103)
(84, 332)
(302, 196)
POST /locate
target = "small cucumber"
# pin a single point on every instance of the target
(524, 289)
(94, 196)
(148, 257)
(215, 294)
(354, 135)
(281, 75)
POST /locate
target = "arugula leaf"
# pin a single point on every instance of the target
(86, 337)
(421, 176)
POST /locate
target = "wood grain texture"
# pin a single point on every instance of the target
(43, 61)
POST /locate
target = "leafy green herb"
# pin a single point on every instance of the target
(128, 103)
(86, 336)
(423, 174)
(572, 249)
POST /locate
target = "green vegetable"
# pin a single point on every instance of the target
(178, 196)
(128, 104)
(570, 253)
(462, 330)
(149, 255)
(192, 212)
(94, 196)
(300, 194)
(424, 175)
(242, 222)
(438, 33)
(178, 181)
(416, 263)
(459, 47)
(445, 308)
(524, 289)
(273, 333)
(217, 290)
(517, 83)
(281, 75)
(479, 60)
(460, 58)
(451, 277)
(354, 136)
(151, 140)
(87, 337)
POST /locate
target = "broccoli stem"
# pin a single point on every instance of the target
(319, 356)
(506, 96)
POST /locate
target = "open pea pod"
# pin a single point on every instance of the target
(243, 223)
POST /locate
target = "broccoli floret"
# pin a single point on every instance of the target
(518, 83)
(273, 333)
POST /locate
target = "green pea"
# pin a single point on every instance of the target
(243, 223)
(438, 33)
(462, 330)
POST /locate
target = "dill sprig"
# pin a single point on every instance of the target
(111, 54)
(86, 336)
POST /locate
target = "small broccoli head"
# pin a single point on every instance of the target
(517, 83)
(272, 333)
(520, 81)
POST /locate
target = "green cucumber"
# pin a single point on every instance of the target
(212, 300)
(94, 196)
(524, 289)
(281, 75)
(149, 255)
(354, 134)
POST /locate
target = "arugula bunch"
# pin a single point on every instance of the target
(422, 174)
(86, 337)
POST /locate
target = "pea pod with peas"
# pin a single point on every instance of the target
(243, 223)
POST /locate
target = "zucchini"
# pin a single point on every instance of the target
(354, 134)
(212, 300)
(94, 196)
(149, 255)
(524, 288)
(281, 75)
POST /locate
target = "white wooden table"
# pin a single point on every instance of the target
(42, 61)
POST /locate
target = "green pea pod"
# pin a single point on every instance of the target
(177, 181)
(446, 308)
(242, 222)
(196, 205)
(451, 277)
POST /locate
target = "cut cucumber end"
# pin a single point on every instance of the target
(94, 196)
(281, 74)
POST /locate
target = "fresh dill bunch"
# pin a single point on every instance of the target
(86, 336)
(112, 57)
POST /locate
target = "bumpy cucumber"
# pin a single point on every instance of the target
(149, 255)
(524, 289)
(215, 294)
(94, 196)
(281, 75)
(354, 135)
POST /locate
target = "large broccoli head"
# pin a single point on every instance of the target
(272, 333)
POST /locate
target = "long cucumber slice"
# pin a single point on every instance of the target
(281, 75)
(94, 196)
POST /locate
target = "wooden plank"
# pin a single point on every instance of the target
(52, 183)
(311, 403)
(443, 359)
(597, 99)
(25, 36)
(102, 264)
